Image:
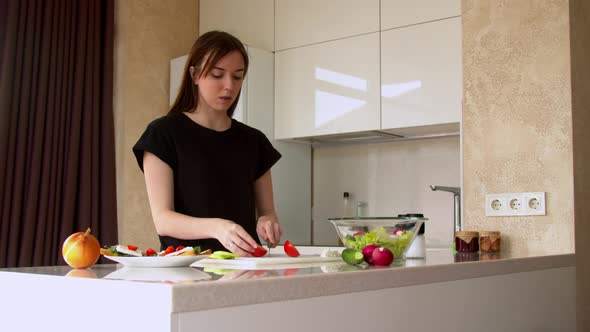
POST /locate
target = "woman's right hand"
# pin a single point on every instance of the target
(235, 238)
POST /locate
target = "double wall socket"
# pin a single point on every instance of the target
(515, 204)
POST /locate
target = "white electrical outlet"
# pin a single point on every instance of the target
(534, 204)
(515, 204)
(495, 205)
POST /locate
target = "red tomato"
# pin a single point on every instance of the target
(150, 252)
(131, 247)
(168, 250)
(259, 252)
(179, 248)
(259, 273)
(290, 249)
(291, 272)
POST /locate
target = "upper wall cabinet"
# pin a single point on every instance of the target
(328, 88)
(292, 195)
(421, 75)
(251, 21)
(305, 22)
(398, 13)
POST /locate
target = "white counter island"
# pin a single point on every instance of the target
(439, 293)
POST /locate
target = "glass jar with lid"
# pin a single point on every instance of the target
(461, 257)
(467, 241)
(489, 241)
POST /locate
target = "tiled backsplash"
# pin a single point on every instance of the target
(391, 178)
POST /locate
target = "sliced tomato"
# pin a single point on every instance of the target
(291, 271)
(260, 273)
(131, 247)
(150, 252)
(259, 252)
(179, 248)
(168, 250)
(290, 249)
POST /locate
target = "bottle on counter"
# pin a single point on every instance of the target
(361, 209)
(418, 248)
(346, 205)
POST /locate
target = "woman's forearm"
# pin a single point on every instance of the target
(181, 226)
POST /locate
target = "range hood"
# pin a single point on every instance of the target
(376, 136)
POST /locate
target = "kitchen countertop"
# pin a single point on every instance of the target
(205, 290)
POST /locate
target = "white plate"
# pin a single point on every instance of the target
(172, 274)
(156, 261)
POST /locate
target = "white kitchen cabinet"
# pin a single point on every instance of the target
(421, 76)
(292, 194)
(541, 300)
(305, 22)
(399, 13)
(328, 88)
(250, 21)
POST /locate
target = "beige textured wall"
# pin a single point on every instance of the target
(580, 48)
(148, 34)
(517, 119)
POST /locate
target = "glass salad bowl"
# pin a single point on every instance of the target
(394, 233)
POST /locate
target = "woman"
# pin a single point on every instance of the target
(207, 175)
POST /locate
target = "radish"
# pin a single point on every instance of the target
(398, 232)
(382, 256)
(368, 253)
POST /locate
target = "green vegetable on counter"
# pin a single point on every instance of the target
(223, 255)
(219, 271)
(352, 256)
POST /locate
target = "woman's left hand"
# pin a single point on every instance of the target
(269, 229)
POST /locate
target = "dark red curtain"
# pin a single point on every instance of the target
(57, 152)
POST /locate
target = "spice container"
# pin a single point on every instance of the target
(489, 256)
(466, 241)
(489, 241)
(461, 257)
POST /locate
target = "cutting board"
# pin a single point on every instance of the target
(267, 262)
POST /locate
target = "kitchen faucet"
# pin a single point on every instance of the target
(457, 207)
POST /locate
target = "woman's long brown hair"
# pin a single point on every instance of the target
(214, 45)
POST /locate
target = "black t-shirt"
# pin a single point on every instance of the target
(214, 172)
